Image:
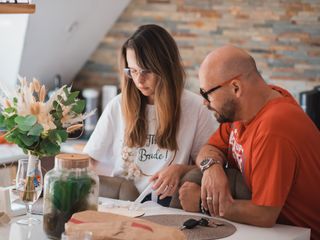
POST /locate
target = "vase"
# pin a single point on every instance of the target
(68, 188)
(29, 185)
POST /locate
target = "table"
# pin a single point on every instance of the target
(11, 152)
(13, 231)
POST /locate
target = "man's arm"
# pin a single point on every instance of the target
(215, 192)
(210, 151)
(244, 211)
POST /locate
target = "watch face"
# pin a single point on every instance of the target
(204, 162)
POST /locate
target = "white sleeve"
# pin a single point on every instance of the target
(100, 143)
(206, 126)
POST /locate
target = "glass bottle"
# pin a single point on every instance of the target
(68, 188)
(91, 97)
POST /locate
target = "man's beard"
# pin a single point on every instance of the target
(226, 113)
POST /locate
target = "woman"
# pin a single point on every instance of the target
(154, 129)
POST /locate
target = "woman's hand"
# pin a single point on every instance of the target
(167, 180)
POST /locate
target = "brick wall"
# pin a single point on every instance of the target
(283, 37)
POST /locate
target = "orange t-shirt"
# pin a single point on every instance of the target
(278, 153)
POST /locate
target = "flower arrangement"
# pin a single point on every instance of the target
(131, 170)
(38, 126)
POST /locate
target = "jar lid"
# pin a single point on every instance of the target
(73, 160)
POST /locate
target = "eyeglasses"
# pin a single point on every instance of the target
(134, 73)
(205, 94)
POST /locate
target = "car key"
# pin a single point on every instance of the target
(190, 223)
(204, 222)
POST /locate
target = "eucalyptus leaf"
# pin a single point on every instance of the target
(58, 108)
(60, 99)
(66, 91)
(52, 136)
(24, 127)
(10, 123)
(48, 148)
(55, 104)
(28, 140)
(57, 115)
(29, 135)
(10, 137)
(79, 106)
(28, 120)
(2, 123)
(19, 143)
(57, 136)
(58, 123)
(63, 135)
(36, 130)
(71, 98)
(25, 123)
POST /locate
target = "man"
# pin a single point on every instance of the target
(266, 135)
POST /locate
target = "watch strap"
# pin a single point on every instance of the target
(208, 162)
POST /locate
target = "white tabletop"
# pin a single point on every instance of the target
(14, 231)
(11, 152)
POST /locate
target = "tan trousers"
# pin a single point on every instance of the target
(117, 188)
(123, 189)
(238, 187)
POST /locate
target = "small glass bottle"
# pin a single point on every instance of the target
(91, 97)
(68, 188)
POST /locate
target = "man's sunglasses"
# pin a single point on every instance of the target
(205, 94)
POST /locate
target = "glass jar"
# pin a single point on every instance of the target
(68, 188)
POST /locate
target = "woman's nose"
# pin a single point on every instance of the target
(140, 78)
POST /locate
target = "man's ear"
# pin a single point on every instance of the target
(237, 87)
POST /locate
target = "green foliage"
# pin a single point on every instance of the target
(70, 195)
(35, 130)
(79, 106)
(25, 123)
(28, 134)
(2, 124)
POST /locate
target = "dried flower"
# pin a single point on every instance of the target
(36, 125)
(42, 93)
(130, 169)
(74, 128)
(37, 85)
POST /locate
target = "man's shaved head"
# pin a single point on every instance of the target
(226, 63)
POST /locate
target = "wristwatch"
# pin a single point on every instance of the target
(208, 162)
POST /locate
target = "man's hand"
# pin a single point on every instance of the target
(215, 192)
(189, 196)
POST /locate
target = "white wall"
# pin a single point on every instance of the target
(12, 33)
(60, 37)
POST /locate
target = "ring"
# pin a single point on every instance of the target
(168, 187)
(209, 199)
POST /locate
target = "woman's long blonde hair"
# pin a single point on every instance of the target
(156, 51)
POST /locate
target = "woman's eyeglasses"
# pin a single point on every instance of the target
(135, 73)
